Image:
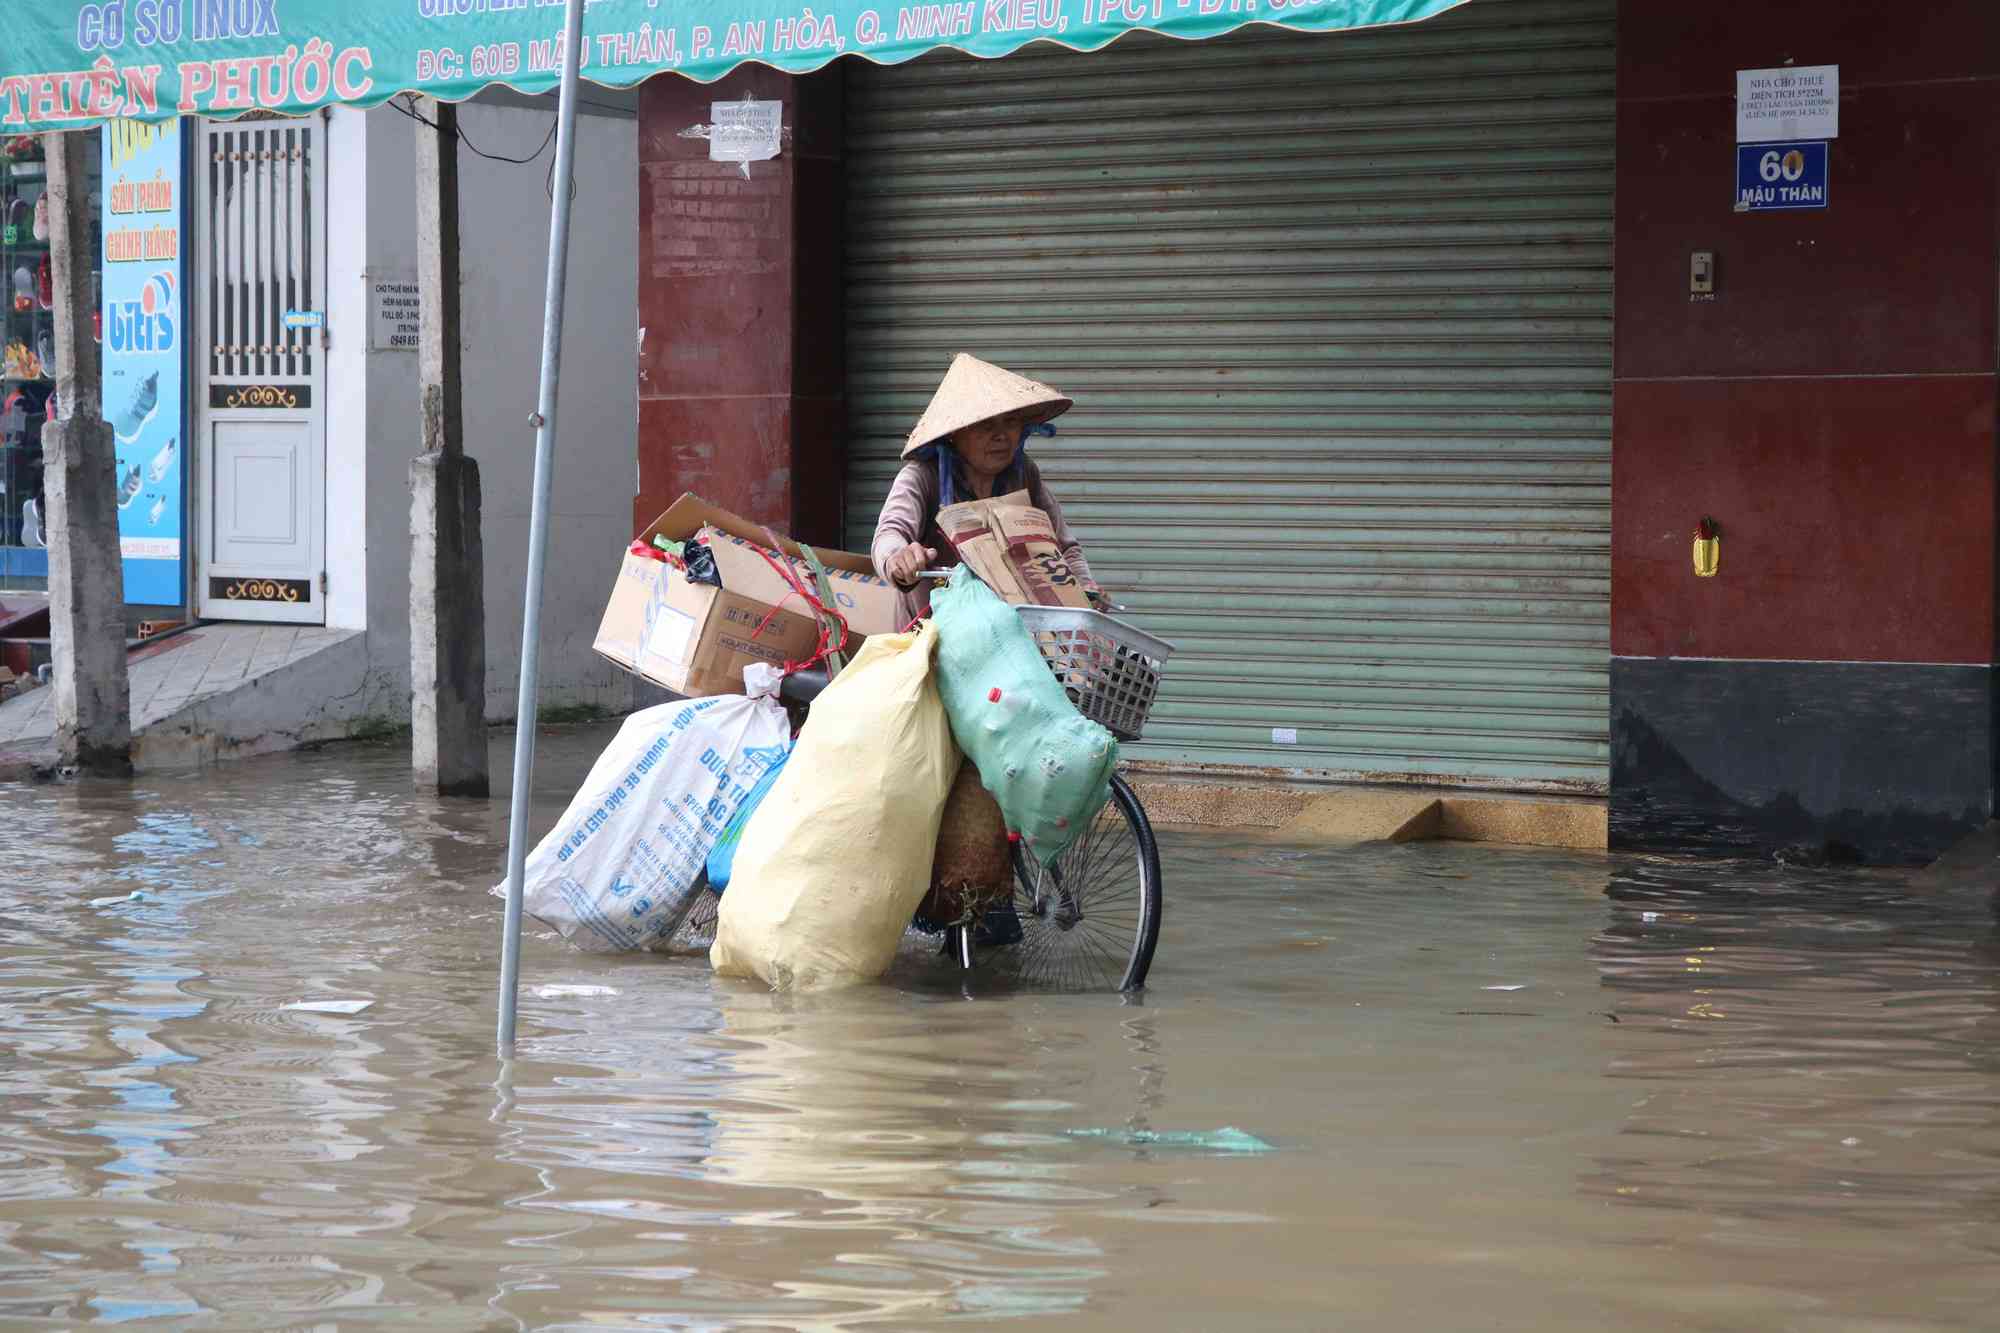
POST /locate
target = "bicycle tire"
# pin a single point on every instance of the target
(1091, 919)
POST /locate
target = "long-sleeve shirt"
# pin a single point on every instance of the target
(910, 515)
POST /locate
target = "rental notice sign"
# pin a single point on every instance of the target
(1788, 103)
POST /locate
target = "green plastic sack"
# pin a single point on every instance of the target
(1048, 765)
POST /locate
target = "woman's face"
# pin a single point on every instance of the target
(988, 446)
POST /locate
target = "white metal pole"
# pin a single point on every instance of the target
(526, 707)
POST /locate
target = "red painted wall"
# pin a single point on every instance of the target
(1835, 407)
(1857, 519)
(741, 370)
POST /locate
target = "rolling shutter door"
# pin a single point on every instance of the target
(1336, 311)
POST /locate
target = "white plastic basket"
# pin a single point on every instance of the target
(1111, 670)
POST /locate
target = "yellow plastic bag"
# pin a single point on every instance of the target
(838, 856)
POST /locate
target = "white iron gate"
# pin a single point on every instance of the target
(260, 286)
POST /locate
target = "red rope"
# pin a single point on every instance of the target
(825, 616)
(649, 551)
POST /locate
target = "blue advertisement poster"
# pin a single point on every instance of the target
(143, 352)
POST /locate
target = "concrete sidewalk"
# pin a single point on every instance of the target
(211, 692)
(1345, 814)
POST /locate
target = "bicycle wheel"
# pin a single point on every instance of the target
(1090, 919)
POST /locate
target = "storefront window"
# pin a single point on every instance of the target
(27, 379)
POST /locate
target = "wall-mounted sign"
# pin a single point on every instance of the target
(395, 312)
(144, 315)
(1791, 102)
(1772, 176)
(305, 319)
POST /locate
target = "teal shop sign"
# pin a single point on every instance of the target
(70, 63)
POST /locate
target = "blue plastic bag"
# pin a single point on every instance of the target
(722, 855)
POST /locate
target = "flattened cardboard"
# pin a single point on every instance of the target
(1037, 560)
(1012, 546)
(964, 526)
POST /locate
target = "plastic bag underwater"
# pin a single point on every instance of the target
(1047, 764)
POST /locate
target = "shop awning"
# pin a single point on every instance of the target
(67, 64)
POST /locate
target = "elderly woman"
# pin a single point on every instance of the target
(970, 444)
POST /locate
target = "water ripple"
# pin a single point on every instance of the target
(1509, 1088)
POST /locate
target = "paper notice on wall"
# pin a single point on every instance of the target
(395, 312)
(1791, 102)
(745, 131)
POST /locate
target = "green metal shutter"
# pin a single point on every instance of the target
(1336, 311)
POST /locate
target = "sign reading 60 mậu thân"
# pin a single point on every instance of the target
(1774, 176)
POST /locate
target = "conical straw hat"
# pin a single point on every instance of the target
(975, 391)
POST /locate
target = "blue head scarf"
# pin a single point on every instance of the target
(1009, 479)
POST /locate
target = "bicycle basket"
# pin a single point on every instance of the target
(1110, 670)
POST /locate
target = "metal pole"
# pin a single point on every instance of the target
(526, 707)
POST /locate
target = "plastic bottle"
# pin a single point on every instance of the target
(1003, 708)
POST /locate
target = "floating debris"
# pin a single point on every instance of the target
(330, 1006)
(562, 992)
(1226, 1139)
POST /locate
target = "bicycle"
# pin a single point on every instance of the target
(1090, 919)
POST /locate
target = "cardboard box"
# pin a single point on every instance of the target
(695, 639)
(1012, 547)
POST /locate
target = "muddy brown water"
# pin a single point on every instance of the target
(1506, 1090)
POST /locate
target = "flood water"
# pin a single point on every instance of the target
(1506, 1089)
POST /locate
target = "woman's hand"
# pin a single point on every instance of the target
(906, 564)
